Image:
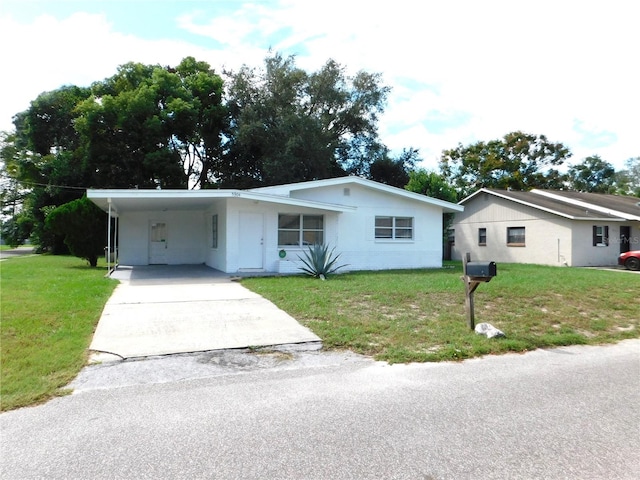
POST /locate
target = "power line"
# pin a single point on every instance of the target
(46, 184)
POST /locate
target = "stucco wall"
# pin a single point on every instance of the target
(355, 238)
(585, 254)
(550, 239)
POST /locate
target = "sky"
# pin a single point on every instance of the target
(460, 71)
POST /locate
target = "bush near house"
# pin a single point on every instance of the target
(84, 228)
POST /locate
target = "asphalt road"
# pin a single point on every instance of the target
(568, 413)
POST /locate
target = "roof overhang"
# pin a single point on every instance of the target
(608, 216)
(447, 207)
(119, 201)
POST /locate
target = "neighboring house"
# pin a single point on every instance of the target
(372, 225)
(546, 227)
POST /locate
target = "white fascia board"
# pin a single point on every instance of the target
(587, 205)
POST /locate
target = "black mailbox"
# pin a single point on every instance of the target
(481, 269)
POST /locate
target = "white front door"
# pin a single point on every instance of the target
(158, 243)
(251, 241)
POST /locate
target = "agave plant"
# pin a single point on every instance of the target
(320, 262)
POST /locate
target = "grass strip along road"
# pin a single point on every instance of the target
(51, 306)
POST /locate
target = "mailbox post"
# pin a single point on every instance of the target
(475, 273)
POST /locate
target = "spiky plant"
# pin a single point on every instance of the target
(319, 261)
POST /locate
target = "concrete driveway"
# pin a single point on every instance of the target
(161, 310)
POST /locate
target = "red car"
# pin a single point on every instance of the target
(630, 260)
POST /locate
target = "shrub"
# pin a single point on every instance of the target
(83, 226)
(319, 262)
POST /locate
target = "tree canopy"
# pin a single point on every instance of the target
(153, 126)
(519, 161)
(287, 125)
(592, 175)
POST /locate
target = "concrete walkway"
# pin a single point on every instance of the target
(160, 310)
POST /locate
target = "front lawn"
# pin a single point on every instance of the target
(418, 315)
(50, 306)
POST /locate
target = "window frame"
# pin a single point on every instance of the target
(214, 231)
(482, 237)
(600, 239)
(301, 229)
(510, 237)
(394, 229)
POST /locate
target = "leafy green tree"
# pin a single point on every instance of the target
(83, 226)
(394, 171)
(434, 185)
(431, 184)
(518, 161)
(287, 125)
(628, 180)
(592, 175)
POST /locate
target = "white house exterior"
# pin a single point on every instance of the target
(372, 225)
(546, 227)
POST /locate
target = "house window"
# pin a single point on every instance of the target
(394, 228)
(600, 236)
(515, 236)
(300, 230)
(214, 231)
(482, 236)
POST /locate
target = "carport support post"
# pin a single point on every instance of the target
(109, 238)
(470, 287)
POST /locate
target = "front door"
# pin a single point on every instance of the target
(158, 243)
(625, 237)
(251, 255)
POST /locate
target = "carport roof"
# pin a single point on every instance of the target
(140, 200)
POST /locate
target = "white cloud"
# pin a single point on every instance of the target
(563, 69)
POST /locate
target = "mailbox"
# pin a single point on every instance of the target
(481, 269)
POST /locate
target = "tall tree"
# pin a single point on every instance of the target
(155, 127)
(434, 185)
(394, 171)
(628, 180)
(288, 125)
(592, 175)
(431, 184)
(519, 161)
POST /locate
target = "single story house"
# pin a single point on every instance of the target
(371, 225)
(546, 227)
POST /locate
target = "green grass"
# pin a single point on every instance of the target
(405, 316)
(50, 306)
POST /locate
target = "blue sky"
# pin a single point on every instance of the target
(460, 71)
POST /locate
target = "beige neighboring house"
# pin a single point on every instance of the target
(547, 227)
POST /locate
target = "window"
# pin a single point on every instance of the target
(515, 236)
(299, 230)
(600, 236)
(482, 236)
(394, 228)
(214, 231)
